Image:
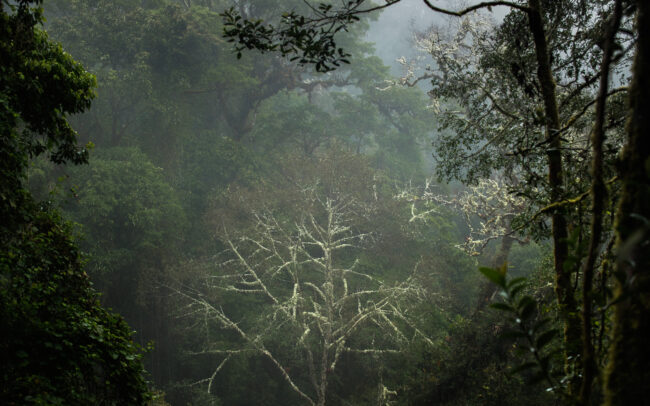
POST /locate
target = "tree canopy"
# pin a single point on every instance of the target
(59, 346)
(272, 220)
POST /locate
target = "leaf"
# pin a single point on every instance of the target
(527, 307)
(516, 281)
(545, 338)
(503, 307)
(494, 275)
(516, 290)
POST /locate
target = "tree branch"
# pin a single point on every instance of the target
(488, 4)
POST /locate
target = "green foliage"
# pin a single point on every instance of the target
(388, 126)
(57, 344)
(533, 332)
(39, 85)
(131, 218)
(123, 200)
(306, 41)
(525, 259)
(291, 119)
(470, 365)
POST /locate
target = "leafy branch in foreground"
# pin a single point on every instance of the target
(306, 40)
(532, 332)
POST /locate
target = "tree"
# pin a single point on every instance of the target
(131, 220)
(132, 226)
(626, 376)
(40, 83)
(594, 158)
(59, 346)
(313, 299)
(388, 125)
(489, 201)
(488, 209)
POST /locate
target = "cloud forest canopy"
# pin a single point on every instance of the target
(275, 230)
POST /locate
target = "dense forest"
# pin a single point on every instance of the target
(238, 202)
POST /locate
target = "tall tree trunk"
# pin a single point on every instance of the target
(598, 194)
(563, 287)
(627, 377)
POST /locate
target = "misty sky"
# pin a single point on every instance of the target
(392, 32)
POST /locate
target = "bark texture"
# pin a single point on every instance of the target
(598, 194)
(563, 287)
(627, 377)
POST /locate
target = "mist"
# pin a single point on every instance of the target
(375, 225)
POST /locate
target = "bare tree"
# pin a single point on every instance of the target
(310, 286)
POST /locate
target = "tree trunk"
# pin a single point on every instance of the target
(563, 287)
(598, 194)
(627, 377)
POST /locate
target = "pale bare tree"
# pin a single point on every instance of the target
(310, 287)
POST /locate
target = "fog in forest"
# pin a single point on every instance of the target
(382, 224)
